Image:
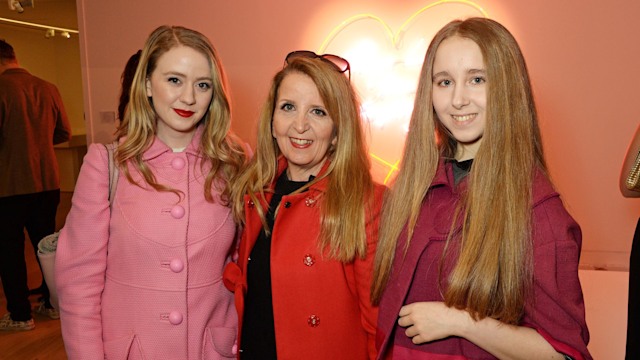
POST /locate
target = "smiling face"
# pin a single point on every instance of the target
(181, 91)
(460, 93)
(302, 126)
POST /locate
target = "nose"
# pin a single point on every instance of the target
(188, 95)
(301, 123)
(460, 97)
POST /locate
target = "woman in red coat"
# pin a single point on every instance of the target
(310, 212)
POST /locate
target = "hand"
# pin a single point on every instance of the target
(429, 321)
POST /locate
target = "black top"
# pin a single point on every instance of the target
(461, 169)
(258, 333)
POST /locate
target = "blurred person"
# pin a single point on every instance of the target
(32, 121)
(633, 315)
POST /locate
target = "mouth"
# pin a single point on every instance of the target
(184, 113)
(300, 143)
(463, 118)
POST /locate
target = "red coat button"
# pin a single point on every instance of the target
(308, 260)
(310, 202)
(175, 318)
(176, 265)
(177, 212)
(313, 321)
(287, 204)
(177, 163)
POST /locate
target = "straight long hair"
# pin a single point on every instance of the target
(493, 272)
(350, 186)
(219, 146)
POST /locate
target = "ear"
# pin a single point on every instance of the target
(148, 83)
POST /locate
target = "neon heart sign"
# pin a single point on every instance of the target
(385, 73)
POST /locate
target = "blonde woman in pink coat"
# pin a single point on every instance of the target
(141, 279)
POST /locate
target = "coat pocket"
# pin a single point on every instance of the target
(219, 342)
(127, 347)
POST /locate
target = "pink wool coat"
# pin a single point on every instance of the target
(145, 282)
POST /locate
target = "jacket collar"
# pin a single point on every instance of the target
(158, 147)
(16, 70)
(542, 187)
(319, 186)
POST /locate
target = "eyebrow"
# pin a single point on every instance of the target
(177, 73)
(470, 72)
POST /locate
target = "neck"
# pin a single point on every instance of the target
(6, 65)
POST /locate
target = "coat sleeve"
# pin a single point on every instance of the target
(557, 310)
(62, 130)
(81, 258)
(364, 272)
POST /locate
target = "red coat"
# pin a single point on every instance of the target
(321, 306)
(556, 310)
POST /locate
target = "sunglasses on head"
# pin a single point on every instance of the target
(341, 64)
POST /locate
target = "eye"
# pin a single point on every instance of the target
(204, 86)
(319, 112)
(478, 80)
(287, 107)
(174, 80)
(444, 83)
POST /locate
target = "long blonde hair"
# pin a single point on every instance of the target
(350, 185)
(218, 144)
(494, 268)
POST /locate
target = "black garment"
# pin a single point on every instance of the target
(633, 317)
(461, 169)
(37, 213)
(258, 339)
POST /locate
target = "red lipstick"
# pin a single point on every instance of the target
(184, 113)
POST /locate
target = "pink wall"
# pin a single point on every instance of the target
(582, 55)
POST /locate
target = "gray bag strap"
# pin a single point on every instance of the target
(113, 170)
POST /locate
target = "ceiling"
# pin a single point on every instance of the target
(58, 13)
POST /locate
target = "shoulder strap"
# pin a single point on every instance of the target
(113, 171)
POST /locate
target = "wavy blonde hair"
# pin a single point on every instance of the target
(493, 272)
(350, 186)
(218, 145)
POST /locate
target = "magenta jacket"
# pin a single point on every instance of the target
(556, 309)
(145, 282)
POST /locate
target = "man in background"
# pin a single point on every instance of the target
(32, 120)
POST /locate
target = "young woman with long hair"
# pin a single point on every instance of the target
(140, 275)
(478, 257)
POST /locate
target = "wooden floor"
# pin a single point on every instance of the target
(45, 342)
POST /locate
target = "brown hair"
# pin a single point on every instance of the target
(349, 184)
(494, 269)
(125, 82)
(218, 145)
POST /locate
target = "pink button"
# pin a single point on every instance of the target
(177, 212)
(175, 318)
(176, 265)
(177, 163)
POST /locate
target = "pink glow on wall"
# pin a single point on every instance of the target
(385, 65)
